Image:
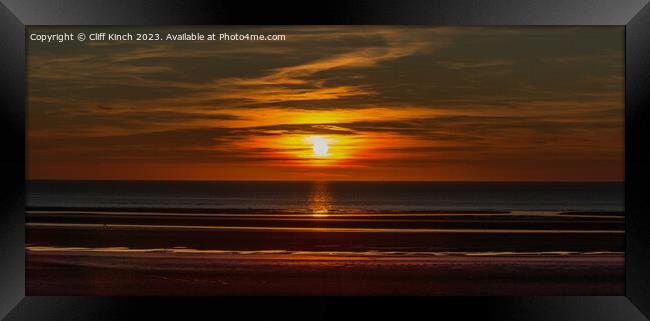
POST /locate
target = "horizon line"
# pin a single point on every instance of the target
(328, 180)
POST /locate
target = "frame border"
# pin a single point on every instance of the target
(15, 15)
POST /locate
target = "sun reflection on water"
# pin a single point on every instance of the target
(320, 200)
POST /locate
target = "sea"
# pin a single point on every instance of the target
(328, 196)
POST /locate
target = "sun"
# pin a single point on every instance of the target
(319, 146)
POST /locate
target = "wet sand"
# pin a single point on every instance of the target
(430, 232)
(483, 253)
(122, 273)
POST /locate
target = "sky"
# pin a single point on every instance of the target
(330, 103)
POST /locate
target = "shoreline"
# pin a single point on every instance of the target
(207, 210)
(301, 211)
(299, 254)
(400, 232)
(460, 253)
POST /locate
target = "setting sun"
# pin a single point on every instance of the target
(320, 146)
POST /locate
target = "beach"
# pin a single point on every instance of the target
(145, 252)
(75, 272)
(324, 238)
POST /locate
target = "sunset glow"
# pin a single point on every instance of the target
(384, 103)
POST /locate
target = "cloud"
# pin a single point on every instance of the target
(386, 97)
(475, 64)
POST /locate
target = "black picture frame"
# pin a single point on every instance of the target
(15, 15)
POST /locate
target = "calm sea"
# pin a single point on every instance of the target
(307, 196)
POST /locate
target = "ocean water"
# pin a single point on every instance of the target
(330, 197)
